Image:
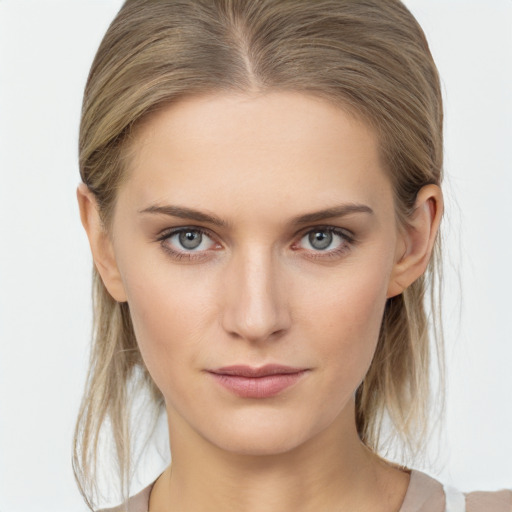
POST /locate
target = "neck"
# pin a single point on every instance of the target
(331, 471)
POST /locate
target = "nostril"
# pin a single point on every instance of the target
(256, 321)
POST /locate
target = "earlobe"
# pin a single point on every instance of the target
(100, 243)
(417, 240)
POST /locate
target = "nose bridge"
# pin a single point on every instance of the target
(255, 307)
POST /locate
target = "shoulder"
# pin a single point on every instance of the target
(137, 503)
(426, 494)
(498, 501)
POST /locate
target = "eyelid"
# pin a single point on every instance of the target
(184, 254)
(343, 232)
(347, 236)
(347, 244)
(168, 232)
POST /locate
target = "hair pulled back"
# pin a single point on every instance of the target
(370, 57)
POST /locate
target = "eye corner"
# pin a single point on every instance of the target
(344, 245)
(172, 243)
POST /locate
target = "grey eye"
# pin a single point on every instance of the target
(188, 242)
(320, 240)
(190, 239)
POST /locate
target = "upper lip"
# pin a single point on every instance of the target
(261, 371)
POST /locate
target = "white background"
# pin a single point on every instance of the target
(46, 48)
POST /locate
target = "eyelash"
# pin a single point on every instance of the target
(346, 245)
(177, 255)
(348, 241)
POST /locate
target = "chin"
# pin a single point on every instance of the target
(264, 434)
(258, 445)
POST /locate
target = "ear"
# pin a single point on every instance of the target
(101, 244)
(417, 239)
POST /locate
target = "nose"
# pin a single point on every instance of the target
(255, 308)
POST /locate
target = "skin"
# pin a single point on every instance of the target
(257, 291)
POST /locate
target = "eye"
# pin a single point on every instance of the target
(329, 240)
(190, 240)
(186, 242)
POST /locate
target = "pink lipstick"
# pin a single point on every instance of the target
(262, 382)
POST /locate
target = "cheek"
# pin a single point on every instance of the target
(169, 316)
(345, 319)
(177, 313)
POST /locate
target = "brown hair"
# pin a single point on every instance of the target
(369, 56)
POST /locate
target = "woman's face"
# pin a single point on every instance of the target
(256, 240)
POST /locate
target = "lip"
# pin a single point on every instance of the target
(257, 382)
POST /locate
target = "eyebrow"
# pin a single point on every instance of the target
(336, 211)
(185, 213)
(192, 214)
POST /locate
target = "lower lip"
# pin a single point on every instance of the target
(258, 387)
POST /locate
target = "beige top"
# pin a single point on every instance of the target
(424, 494)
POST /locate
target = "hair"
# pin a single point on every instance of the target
(372, 59)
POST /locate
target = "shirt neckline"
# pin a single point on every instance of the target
(420, 488)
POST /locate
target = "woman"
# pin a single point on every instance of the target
(261, 191)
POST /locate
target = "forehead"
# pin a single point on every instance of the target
(250, 150)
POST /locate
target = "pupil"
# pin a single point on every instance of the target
(190, 239)
(320, 239)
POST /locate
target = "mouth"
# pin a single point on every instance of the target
(257, 382)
